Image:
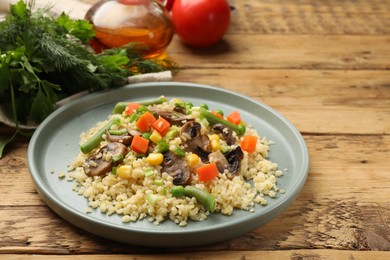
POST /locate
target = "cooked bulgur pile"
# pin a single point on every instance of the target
(161, 158)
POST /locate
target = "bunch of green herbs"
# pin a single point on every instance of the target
(44, 58)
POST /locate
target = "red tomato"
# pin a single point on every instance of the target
(200, 23)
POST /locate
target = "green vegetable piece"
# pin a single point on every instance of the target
(242, 128)
(121, 106)
(219, 111)
(180, 104)
(158, 182)
(117, 157)
(172, 133)
(114, 170)
(164, 191)
(133, 117)
(162, 146)
(118, 132)
(142, 109)
(201, 196)
(148, 173)
(177, 191)
(204, 106)
(225, 149)
(213, 119)
(152, 198)
(146, 135)
(95, 140)
(180, 152)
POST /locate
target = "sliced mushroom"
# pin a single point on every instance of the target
(194, 141)
(227, 133)
(134, 132)
(220, 160)
(234, 158)
(101, 162)
(173, 116)
(124, 138)
(176, 118)
(181, 110)
(176, 167)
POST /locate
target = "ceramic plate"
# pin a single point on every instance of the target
(55, 144)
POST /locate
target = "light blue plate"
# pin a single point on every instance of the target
(55, 144)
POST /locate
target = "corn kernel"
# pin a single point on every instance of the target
(124, 171)
(155, 137)
(214, 137)
(155, 158)
(192, 159)
(215, 145)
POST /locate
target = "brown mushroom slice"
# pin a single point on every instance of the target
(175, 118)
(101, 163)
(176, 167)
(234, 158)
(194, 141)
(220, 160)
(124, 138)
(226, 132)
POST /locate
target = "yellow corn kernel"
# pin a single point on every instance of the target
(214, 137)
(124, 171)
(155, 137)
(155, 158)
(215, 145)
(192, 159)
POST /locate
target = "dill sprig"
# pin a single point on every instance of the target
(44, 58)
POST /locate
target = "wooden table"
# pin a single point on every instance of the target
(325, 66)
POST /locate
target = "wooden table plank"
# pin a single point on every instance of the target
(324, 52)
(311, 17)
(227, 255)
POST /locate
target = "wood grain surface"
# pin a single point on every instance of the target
(325, 66)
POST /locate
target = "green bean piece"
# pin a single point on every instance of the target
(242, 128)
(180, 152)
(213, 119)
(177, 191)
(133, 117)
(201, 196)
(95, 140)
(142, 109)
(118, 132)
(121, 106)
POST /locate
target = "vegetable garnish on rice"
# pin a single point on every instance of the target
(168, 159)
